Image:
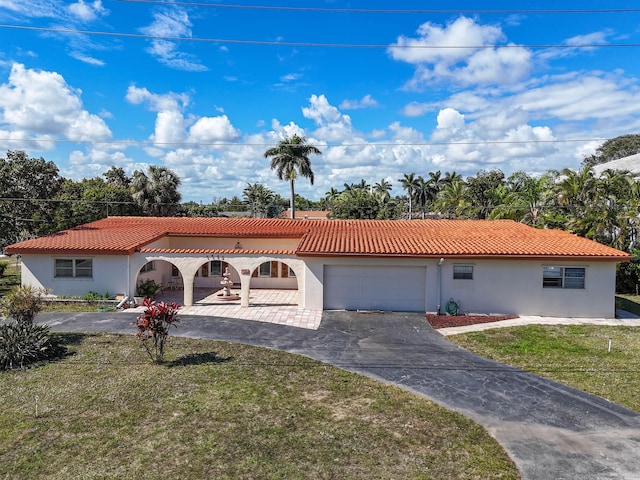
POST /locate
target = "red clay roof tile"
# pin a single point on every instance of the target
(431, 238)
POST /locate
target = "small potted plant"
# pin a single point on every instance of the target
(145, 289)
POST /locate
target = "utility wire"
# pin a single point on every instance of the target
(386, 10)
(310, 44)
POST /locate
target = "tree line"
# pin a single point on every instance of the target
(35, 200)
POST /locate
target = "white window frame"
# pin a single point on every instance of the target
(262, 273)
(291, 273)
(76, 268)
(562, 277)
(463, 272)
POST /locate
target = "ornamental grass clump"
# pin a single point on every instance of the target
(153, 326)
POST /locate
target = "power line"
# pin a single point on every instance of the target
(387, 10)
(311, 44)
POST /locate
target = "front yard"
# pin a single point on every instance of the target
(227, 411)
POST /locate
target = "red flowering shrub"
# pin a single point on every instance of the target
(153, 326)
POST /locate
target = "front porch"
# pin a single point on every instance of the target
(265, 305)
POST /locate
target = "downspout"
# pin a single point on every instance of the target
(439, 287)
(128, 276)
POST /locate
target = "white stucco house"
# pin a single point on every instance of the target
(485, 266)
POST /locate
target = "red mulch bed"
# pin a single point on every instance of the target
(445, 321)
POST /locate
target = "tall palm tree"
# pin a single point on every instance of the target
(409, 183)
(290, 160)
(424, 194)
(157, 191)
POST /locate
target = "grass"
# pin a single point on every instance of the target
(10, 278)
(575, 355)
(225, 411)
(630, 303)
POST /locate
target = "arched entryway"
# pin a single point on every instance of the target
(199, 276)
(156, 276)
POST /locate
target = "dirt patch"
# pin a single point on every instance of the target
(445, 321)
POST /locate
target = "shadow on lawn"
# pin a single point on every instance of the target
(198, 359)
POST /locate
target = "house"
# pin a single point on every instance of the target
(486, 266)
(306, 214)
(630, 164)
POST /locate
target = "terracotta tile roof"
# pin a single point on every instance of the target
(123, 235)
(431, 238)
(460, 238)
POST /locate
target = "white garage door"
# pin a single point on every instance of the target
(401, 289)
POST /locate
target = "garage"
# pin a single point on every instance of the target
(392, 288)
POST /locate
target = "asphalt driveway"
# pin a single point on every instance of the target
(549, 430)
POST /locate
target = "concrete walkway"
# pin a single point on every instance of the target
(549, 430)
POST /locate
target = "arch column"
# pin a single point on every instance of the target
(245, 282)
(187, 285)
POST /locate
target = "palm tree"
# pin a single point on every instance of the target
(424, 193)
(290, 159)
(382, 188)
(259, 197)
(409, 183)
(331, 196)
(454, 200)
(156, 192)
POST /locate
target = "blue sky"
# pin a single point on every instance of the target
(205, 89)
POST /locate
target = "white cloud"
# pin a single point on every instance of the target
(156, 102)
(479, 60)
(416, 109)
(365, 102)
(584, 97)
(450, 119)
(291, 77)
(87, 59)
(87, 11)
(332, 125)
(39, 103)
(213, 129)
(171, 23)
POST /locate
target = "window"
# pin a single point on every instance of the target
(463, 272)
(287, 271)
(215, 268)
(265, 269)
(73, 268)
(563, 277)
(148, 267)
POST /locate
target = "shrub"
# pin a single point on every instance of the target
(154, 325)
(3, 267)
(147, 288)
(22, 304)
(25, 343)
(95, 297)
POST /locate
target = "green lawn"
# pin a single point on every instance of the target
(225, 411)
(576, 355)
